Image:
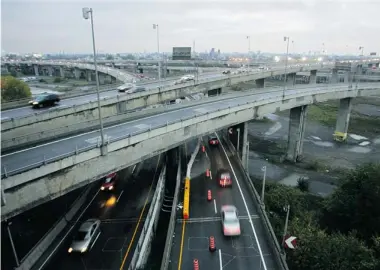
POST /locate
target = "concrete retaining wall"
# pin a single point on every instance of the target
(36, 252)
(64, 175)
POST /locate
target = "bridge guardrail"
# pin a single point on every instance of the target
(139, 257)
(171, 227)
(268, 73)
(278, 97)
(281, 261)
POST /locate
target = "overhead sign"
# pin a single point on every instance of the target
(372, 54)
(290, 242)
(181, 53)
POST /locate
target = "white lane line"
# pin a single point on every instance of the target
(220, 260)
(133, 170)
(118, 198)
(216, 211)
(210, 174)
(245, 205)
(95, 240)
(71, 228)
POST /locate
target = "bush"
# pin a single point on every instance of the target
(303, 184)
(57, 80)
(13, 89)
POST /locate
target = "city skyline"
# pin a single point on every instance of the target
(57, 26)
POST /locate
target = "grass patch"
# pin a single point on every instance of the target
(323, 113)
(364, 124)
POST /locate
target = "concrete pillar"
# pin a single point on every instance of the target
(36, 71)
(377, 64)
(360, 70)
(313, 77)
(108, 79)
(343, 119)
(260, 83)
(244, 143)
(77, 73)
(50, 70)
(291, 79)
(297, 123)
(89, 75)
(348, 77)
(62, 72)
(239, 139)
(102, 78)
(334, 76)
(113, 79)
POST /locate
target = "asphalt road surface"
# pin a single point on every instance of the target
(121, 224)
(24, 111)
(27, 158)
(192, 236)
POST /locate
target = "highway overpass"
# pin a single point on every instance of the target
(18, 124)
(40, 173)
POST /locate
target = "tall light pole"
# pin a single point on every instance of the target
(263, 169)
(249, 50)
(286, 65)
(88, 13)
(12, 244)
(287, 210)
(155, 26)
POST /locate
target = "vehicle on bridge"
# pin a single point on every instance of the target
(126, 87)
(184, 79)
(224, 178)
(230, 220)
(86, 236)
(227, 71)
(213, 140)
(109, 182)
(44, 100)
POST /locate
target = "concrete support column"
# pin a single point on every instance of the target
(334, 76)
(291, 79)
(377, 64)
(62, 72)
(50, 70)
(244, 143)
(113, 79)
(239, 139)
(89, 75)
(348, 77)
(343, 119)
(77, 73)
(108, 79)
(360, 70)
(102, 78)
(260, 83)
(36, 71)
(297, 122)
(313, 77)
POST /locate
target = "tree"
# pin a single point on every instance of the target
(355, 205)
(109, 57)
(13, 89)
(303, 184)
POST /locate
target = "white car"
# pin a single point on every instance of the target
(230, 220)
(125, 87)
(86, 236)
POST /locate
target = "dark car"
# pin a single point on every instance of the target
(227, 71)
(44, 100)
(213, 140)
(139, 89)
(224, 178)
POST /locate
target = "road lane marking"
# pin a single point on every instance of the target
(245, 204)
(216, 211)
(133, 170)
(95, 240)
(220, 260)
(210, 174)
(71, 228)
(118, 198)
(181, 247)
(140, 217)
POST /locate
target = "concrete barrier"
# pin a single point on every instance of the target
(36, 252)
(171, 227)
(142, 250)
(281, 260)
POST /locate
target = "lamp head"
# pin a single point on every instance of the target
(85, 12)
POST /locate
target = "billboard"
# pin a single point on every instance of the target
(372, 54)
(181, 53)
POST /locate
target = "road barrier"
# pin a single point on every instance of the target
(142, 250)
(281, 260)
(171, 227)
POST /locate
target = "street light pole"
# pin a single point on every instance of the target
(12, 244)
(286, 66)
(264, 169)
(287, 209)
(88, 12)
(238, 140)
(155, 26)
(249, 50)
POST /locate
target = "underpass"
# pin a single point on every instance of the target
(122, 213)
(250, 250)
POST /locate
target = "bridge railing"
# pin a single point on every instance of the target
(274, 98)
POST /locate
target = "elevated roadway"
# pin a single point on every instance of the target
(64, 165)
(250, 250)
(121, 223)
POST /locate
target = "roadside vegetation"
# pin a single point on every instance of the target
(339, 232)
(13, 89)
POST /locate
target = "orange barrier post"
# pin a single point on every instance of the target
(186, 199)
(203, 148)
(212, 244)
(209, 197)
(196, 264)
(208, 173)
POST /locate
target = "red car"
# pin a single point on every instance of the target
(109, 182)
(224, 178)
(213, 140)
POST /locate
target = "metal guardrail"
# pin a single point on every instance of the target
(157, 199)
(281, 261)
(171, 227)
(298, 93)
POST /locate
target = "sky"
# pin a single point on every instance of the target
(48, 26)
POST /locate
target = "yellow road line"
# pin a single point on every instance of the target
(181, 248)
(140, 217)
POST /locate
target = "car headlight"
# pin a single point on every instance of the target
(83, 249)
(102, 188)
(35, 103)
(70, 250)
(110, 188)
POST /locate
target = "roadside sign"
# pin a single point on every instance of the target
(290, 242)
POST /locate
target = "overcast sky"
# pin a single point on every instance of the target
(126, 26)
